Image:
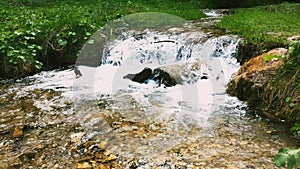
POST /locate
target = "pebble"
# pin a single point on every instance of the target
(83, 165)
(18, 132)
(2, 144)
(56, 166)
(76, 137)
(102, 145)
(40, 147)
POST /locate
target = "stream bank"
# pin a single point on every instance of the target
(268, 83)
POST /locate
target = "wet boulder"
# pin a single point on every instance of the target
(170, 75)
(140, 77)
(162, 77)
(158, 75)
(251, 80)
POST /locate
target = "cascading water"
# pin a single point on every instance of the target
(180, 108)
(192, 124)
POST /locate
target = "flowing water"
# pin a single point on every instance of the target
(53, 119)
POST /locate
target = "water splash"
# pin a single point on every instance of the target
(182, 108)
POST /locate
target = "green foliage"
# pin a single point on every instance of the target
(273, 25)
(290, 72)
(288, 157)
(291, 67)
(39, 31)
(33, 3)
(296, 128)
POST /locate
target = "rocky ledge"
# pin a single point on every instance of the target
(256, 83)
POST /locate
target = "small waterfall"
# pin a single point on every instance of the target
(182, 108)
(178, 111)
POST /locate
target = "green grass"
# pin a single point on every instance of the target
(265, 24)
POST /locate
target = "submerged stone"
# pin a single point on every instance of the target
(18, 132)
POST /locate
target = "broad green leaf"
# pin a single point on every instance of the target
(62, 42)
(297, 158)
(38, 64)
(88, 33)
(291, 162)
(288, 99)
(296, 126)
(39, 47)
(31, 47)
(22, 58)
(291, 105)
(71, 33)
(281, 159)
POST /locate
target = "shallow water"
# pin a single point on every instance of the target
(53, 119)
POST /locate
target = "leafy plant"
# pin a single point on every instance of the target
(41, 34)
(288, 157)
(296, 128)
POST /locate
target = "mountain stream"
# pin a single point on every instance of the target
(53, 119)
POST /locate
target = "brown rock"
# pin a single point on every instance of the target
(83, 165)
(40, 147)
(18, 132)
(254, 75)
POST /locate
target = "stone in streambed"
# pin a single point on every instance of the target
(162, 77)
(170, 75)
(18, 132)
(140, 77)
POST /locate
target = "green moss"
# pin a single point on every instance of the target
(268, 58)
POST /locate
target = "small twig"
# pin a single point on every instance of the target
(53, 48)
(162, 41)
